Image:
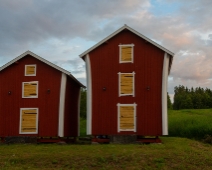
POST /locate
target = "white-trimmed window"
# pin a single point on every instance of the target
(126, 117)
(30, 89)
(28, 121)
(126, 84)
(126, 53)
(30, 70)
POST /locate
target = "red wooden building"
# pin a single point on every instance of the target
(38, 98)
(127, 85)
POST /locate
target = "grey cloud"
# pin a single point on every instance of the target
(28, 23)
(75, 66)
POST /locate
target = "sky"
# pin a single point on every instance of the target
(60, 31)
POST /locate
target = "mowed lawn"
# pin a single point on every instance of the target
(173, 153)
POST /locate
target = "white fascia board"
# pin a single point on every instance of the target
(132, 30)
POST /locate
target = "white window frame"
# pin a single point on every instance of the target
(133, 85)
(126, 45)
(20, 122)
(30, 74)
(118, 119)
(36, 89)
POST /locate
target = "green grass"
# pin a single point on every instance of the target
(193, 124)
(190, 123)
(174, 153)
(82, 127)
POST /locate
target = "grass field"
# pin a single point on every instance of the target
(193, 124)
(174, 153)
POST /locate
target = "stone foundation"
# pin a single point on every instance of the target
(123, 139)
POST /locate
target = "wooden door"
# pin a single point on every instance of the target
(127, 118)
(29, 121)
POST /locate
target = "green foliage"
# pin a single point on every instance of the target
(193, 124)
(197, 98)
(169, 103)
(82, 127)
(83, 103)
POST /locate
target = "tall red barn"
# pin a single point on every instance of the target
(38, 98)
(127, 77)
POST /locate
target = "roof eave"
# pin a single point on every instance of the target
(43, 60)
(132, 30)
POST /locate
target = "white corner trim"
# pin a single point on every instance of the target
(164, 94)
(89, 94)
(79, 99)
(26, 69)
(126, 45)
(62, 105)
(118, 118)
(119, 85)
(30, 82)
(20, 121)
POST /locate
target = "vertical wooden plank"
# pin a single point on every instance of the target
(127, 118)
(28, 122)
(126, 53)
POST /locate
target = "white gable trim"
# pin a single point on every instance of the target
(164, 94)
(43, 60)
(132, 30)
(36, 56)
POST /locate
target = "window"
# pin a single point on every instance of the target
(126, 84)
(28, 121)
(30, 89)
(126, 117)
(30, 70)
(126, 53)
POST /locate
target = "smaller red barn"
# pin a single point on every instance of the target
(127, 77)
(38, 99)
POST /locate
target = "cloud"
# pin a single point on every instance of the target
(61, 30)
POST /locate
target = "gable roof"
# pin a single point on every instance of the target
(43, 60)
(132, 30)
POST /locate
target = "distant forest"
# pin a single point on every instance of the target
(194, 98)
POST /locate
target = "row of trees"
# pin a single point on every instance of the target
(197, 98)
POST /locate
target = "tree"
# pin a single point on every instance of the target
(169, 103)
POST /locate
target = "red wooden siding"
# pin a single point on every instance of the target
(11, 79)
(148, 65)
(71, 108)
